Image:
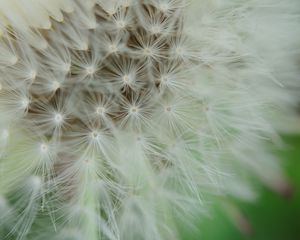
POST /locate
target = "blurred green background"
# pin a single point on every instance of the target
(272, 217)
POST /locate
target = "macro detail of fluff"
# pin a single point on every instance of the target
(118, 117)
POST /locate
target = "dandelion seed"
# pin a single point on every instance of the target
(44, 148)
(55, 85)
(24, 103)
(32, 74)
(90, 70)
(101, 111)
(58, 118)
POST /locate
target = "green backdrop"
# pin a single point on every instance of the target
(272, 216)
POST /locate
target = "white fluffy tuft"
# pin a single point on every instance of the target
(116, 115)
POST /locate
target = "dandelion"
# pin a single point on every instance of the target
(117, 115)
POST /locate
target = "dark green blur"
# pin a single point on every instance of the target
(272, 217)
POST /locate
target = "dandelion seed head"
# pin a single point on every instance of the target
(121, 113)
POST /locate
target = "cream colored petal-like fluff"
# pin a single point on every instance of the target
(119, 117)
(33, 13)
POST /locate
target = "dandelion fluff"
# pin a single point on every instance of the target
(116, 116)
